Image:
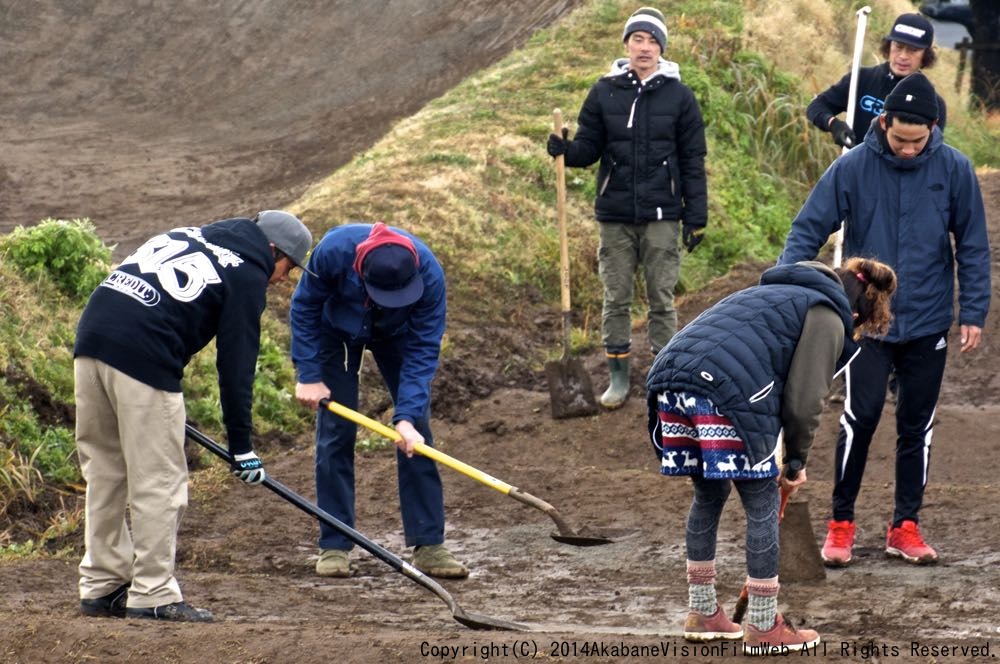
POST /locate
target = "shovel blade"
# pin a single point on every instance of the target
(570, 391)
(799, 559)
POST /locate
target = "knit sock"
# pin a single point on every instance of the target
(762, 607)
(701, 587)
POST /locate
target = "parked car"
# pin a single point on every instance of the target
(951, 11)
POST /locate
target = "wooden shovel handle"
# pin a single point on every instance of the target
(557, 126)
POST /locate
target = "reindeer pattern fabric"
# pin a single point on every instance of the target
(694, 438)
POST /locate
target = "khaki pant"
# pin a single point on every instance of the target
(623, 248)
(130, 438)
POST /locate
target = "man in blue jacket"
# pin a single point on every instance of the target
(139, 330)
(646, 129)
(904, 196)
(377, 288)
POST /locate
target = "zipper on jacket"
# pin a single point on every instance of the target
(607, 179)
(670, 177)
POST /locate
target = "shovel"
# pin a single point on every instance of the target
(570, 391)
(799, 558)
(472, 620)
(566, 534)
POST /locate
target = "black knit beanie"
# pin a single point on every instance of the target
(914, 95)
(647, 19)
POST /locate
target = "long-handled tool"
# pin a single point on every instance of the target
(566, 535)
(852, 102)
(473, 620)
(570, 391)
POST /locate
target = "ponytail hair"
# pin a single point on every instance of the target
(869, 285)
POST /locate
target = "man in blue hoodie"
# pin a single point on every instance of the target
(377, 288)
(646, 129)
(140, 328)
(904, 197)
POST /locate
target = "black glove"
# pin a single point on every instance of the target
(843, 135)
(692, 236)
(556, 145)
(248, 468)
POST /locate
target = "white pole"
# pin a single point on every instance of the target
(852, 102)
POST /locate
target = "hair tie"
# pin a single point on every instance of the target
(861, 277)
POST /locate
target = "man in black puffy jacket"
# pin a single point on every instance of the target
(646, 129)
(139, 330)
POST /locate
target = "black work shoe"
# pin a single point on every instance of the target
(177, 612)
(111, 605)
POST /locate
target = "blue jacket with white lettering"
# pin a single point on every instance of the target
(171, 297)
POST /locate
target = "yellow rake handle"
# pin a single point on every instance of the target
(419, 448)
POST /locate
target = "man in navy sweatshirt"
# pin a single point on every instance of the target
(140, 328)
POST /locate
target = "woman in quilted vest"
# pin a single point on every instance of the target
(743, 380)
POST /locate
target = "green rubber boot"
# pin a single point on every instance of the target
(617, 392)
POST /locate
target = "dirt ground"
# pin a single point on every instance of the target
(248, 556)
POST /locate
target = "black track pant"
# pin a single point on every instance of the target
(919, 367)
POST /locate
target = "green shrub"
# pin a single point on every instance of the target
(69, 253)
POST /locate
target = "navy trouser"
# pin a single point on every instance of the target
(420, 494)
(919, 367)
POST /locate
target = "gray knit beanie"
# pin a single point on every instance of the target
(647, 19)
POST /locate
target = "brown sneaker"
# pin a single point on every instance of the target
(334, 563)
(699, 627)
(436, 560)
(779, 640)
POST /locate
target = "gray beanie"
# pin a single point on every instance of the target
(287, 234)
(647, 19)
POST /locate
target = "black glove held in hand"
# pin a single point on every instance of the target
(692, 236)
(557, 145)
(843, 135)
(248, 468)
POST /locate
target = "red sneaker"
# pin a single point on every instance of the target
(906, 542)
(839, 540)
(779, 640)
(699, 627)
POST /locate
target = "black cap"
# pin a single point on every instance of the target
(913, 30)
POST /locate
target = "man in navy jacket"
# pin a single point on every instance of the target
(904, 196)
(140, 328)
(377, 288)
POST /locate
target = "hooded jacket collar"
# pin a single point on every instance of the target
(665, 68)
(875, 140)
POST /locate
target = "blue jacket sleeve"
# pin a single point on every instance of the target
(421, 347)
(821, 215)
(306, 313)
(972, 247)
